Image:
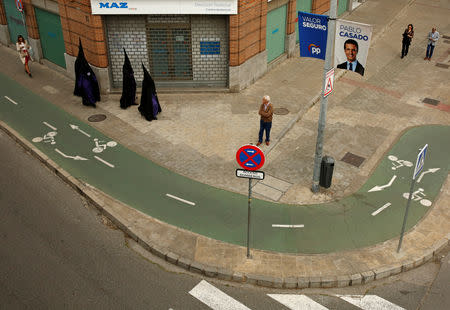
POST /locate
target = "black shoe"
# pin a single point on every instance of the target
(402, 56)
(29, 74)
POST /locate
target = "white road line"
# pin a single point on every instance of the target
(215, 298)
(181, 199)
(297, 302)
(50, 126)
(104, 161)
(288, 226)
(370, 302)
(381, 209)
(11, 100)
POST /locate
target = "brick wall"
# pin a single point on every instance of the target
(320, 6)
(3, 20)
(291, 16)
(247, 31)
(77, 22)
(127, 31)
(209, 67)
(30, 19)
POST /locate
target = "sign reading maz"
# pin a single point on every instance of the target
(117, 5)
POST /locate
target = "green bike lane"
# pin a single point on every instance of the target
(222, 215)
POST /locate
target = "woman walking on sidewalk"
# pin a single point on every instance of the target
(407, 38)
(23, 50)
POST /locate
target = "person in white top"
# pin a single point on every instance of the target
(433, 36)
(23, 50)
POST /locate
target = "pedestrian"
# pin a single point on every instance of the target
(433, 36)
(407, 38)
(266, 112)
(23, 50)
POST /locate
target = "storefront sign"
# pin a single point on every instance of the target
(209, 7)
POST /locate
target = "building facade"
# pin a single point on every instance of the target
(202, 43)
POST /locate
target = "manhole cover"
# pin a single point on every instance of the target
(280, 111)
(353, 159)
(442, 65)
(430, 101)
(97, 118)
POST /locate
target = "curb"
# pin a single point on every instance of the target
(94, 197)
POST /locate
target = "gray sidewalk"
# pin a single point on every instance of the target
(198, 134)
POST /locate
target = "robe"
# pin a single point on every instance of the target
(86, 84)
(149, 106)
(128, 84)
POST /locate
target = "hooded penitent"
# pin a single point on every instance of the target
(128, 84)
(86, 85)
(149, 107)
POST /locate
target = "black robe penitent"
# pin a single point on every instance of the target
(86, 84)
(150, 106)
(128, 84)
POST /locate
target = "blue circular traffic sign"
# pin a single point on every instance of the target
(19, 5)
(250, 157)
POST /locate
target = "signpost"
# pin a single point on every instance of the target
(250, 158)
(418, 167)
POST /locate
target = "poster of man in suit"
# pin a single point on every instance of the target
(352, 45)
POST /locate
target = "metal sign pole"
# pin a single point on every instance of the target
(324, 100)
(413, 182)
(248, 216)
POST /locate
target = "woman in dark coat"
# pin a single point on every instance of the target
(407, 38)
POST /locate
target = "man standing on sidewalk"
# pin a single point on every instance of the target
(433, 36)
(266, 112)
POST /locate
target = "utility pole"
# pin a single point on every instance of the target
(324, 100)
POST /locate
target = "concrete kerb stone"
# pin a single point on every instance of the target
(367, 276)
(329, 281)
(197, 267)
(224, 274)
(384, 272)
(172, 258)
(290, 282)
(303, 282)
(408, 265)
(343, 281)
(184, 263)
(439, 246)
(315, 282)
(356, 279)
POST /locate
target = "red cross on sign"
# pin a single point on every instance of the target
(250, 157)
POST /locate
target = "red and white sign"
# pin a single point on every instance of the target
(329, 83)
(19, 5)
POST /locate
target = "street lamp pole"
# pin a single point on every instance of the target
(324, 100)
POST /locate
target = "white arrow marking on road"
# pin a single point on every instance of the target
(73, 157)
(50, 126)
(288, 226)
(11, 100)
(381, 209)
(181, 199)
(75, 127)
(104, 161)
(432, 170)
(379, 188)
(370, 302)
(215, 298)
(297, 302)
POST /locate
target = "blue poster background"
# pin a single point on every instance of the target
(312, 33)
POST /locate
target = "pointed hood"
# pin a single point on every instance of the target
(128, 84)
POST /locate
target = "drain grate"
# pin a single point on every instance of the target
(430, 101)
(353, 159)
(446, 37)
(280, 111)
(97, 118)
(447, 41)
(445, 66)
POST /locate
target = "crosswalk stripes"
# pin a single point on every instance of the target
(370, 302)
(297, 302)
(218, 300)
(215, 298)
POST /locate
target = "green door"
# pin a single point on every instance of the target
(342, 6)
(276, 32)
(304, 6)
(52, 40)
(16, 25)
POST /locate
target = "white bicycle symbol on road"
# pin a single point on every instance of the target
(418, 195)
(400, 162)
(47, 138)
(100, 146)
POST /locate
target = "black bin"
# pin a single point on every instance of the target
(326, 171)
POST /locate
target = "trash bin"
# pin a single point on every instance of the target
(326, 171)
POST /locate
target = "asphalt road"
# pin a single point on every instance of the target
(57, 252)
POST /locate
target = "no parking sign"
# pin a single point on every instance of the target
(250, 157)
(19, 5)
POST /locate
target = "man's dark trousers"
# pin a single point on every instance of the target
(264, 126)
